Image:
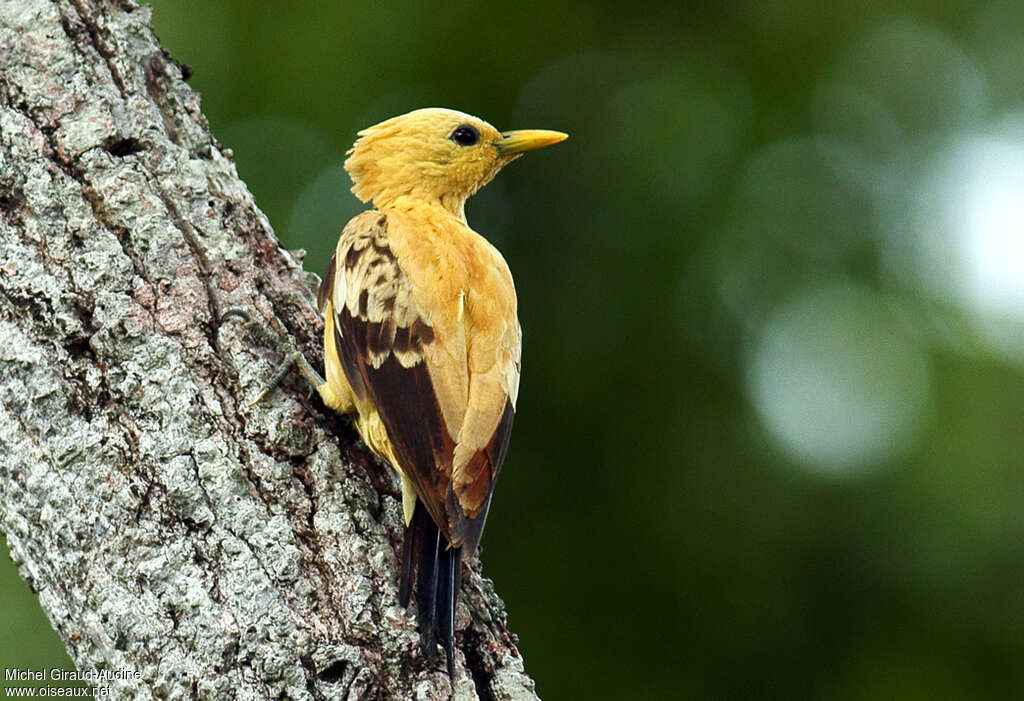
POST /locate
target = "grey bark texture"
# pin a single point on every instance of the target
(224, 551)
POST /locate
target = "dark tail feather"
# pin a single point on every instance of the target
(426, 587)
(410, 546)
(438, 572)
(448, 578)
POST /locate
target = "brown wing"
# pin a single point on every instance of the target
(389, 347)
(326, 289)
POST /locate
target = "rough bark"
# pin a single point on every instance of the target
(222, 550)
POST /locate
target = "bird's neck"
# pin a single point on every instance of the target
(447, 205)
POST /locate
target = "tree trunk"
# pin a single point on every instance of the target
(220, 550)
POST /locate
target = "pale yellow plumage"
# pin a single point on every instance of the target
(458, 285)
(422, 342)
(414, 260)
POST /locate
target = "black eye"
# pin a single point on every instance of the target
(465, 135)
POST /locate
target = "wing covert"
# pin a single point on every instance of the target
(417, 378)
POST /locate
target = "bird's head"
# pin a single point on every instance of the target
(435, 155)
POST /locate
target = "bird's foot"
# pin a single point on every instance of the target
(292, 358)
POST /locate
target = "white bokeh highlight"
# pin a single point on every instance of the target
(960, 236)
(836, 381)
(987, 209)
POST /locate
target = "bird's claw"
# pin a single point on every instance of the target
(293, 357)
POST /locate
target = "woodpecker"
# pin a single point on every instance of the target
(422, 340)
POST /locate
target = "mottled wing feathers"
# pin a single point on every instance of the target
(484, 467)
(323, 293)
(416, 377)
(404, 399)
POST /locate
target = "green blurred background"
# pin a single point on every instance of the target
(771, 425)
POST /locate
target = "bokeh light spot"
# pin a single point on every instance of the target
(836, 381)
(923, 78)
(991, 242)
(963, 235)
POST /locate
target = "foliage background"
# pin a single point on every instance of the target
(771, 425)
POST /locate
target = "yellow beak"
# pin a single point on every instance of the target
(513, 142)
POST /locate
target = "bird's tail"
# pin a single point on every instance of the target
(437, 568)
